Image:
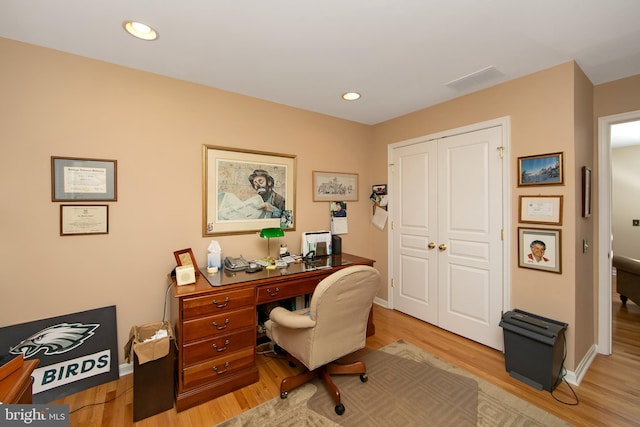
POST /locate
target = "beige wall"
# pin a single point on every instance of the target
(55, 104)
(586, 288)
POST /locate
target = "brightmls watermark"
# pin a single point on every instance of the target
(34, 415)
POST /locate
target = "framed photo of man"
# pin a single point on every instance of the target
(540, 249)
(245, 191)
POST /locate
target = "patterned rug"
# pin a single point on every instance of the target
(407, 387)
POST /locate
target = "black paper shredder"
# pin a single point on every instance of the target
(533, 348)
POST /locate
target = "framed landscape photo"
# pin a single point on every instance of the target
(333, 186)
(540, 249)
(245, 191)
(78, 179)
(546, 169)
(541, 210)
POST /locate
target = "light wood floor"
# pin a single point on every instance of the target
(609, 394)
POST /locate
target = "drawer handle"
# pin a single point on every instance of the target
(273, 294)
(222, 304)
(226, 323)
(215, 346)
(215, 369)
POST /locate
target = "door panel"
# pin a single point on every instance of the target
(415, 282)
(446, 241)
(470, 224)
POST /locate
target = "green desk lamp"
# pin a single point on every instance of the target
(270, 233)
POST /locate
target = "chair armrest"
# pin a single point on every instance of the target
(288, 319)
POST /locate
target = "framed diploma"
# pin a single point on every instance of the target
(541, 209)
(75, 179)
(84, 219)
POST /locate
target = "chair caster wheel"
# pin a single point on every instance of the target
(364, 378)
(284, 395)
(340, 409)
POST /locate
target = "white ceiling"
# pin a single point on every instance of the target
(399, 54)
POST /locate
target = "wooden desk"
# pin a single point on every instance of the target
(17, 387)
(216, 324)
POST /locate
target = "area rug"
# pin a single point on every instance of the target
(407, 387)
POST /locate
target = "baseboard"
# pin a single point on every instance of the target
(381, 302)
(575, 377)
(125, 369)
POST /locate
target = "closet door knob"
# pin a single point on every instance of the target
(432, 245)
(442, 247)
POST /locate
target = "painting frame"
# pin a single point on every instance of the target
(540, 209)
(185, 257)
(544, 169)
(335, 186)
(75, 179)
(230, 202)
(551, 256)
(586, 192)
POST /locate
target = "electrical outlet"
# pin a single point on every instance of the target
(636, 222)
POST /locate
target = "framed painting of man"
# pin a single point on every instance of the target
(245, 191)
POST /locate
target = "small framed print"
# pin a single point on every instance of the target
(546, 169)
(78, 220)
(540, 249)
(185, 257)
(541, 210)
(332, 186)
(74, 180)
(586, 192)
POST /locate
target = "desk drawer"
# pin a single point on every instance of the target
(269, 293)
(219, 346)
(219, 324)
(218, 369)
(218, 302)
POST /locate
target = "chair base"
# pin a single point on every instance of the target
(324, 373)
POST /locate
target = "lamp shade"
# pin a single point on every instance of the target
(268, 233)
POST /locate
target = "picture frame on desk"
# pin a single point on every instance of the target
(245, 191)
(185, 257)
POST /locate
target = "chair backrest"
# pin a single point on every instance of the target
(340, 306)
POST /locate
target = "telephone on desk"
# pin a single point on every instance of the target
(235, 264)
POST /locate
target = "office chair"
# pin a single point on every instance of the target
(334, 325)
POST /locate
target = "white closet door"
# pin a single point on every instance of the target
(447, 237)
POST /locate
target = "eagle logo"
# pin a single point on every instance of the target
(55, 339)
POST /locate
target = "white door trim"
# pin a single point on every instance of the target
(605, 251)
(505, 123)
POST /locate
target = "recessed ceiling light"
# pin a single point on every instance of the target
(350, 96)
(140, 30)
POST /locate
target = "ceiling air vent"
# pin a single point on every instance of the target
(476, 79)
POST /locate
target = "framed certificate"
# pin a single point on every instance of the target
(541, 209)
(75, 179)
(84, 219)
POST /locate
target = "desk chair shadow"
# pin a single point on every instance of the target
(334, 325)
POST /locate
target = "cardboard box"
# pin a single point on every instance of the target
(145, 348)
